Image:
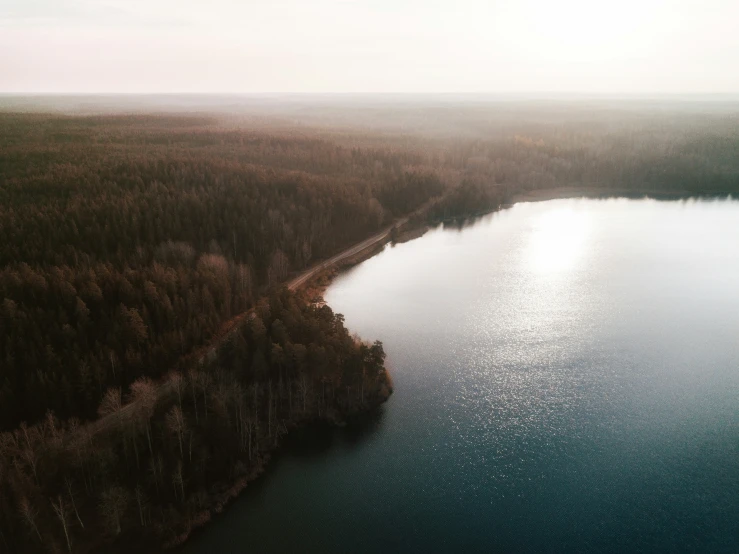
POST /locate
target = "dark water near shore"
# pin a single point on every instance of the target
(567, 380)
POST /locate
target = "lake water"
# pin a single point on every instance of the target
(566, 380)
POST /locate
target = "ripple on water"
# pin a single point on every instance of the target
(567, 380)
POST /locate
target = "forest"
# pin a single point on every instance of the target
(129, 240)
(123, 247)
(158, 461)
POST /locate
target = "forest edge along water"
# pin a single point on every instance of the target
(352, 255)
(169, 387)
(584, 433)
(319, 278)
(133, 238)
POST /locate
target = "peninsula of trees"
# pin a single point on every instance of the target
(128, 242)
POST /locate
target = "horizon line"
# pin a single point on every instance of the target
(370, 93)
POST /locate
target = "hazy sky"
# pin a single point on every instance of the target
(647, 46)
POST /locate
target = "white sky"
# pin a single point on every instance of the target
(625, 46)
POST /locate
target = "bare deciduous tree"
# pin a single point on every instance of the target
(177, 425)
(111, 402)
(70, 491)
(193, 376)
(176, 382)
(141, 502)
(29, 513)
(304, 388)
(205, 381)
(156, 469)
(113, 504)
(61, 509)
(143, 397)
(23, 444)
(178, 481)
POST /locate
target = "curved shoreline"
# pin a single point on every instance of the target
(316, 281)
(562, 193)
(227, 494)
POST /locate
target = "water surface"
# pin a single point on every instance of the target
(567, 380)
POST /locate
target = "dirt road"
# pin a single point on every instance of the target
(168, 385)
(307, 275)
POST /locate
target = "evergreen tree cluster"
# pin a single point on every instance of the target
(126, 241)
(161, 457)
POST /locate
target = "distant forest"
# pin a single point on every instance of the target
(128, 241)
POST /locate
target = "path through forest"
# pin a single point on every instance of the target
(168, 386)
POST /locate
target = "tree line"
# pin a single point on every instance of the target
(128, 241)
(160, 457)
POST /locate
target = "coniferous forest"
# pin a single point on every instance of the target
(129, 242)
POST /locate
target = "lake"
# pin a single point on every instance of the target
(566, 380)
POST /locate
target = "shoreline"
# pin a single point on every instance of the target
(228, 491)
(250, 509)
(413, 229)
(313, 282)
(314, 288)
(562, 193)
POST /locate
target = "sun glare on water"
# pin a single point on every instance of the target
(557, 239)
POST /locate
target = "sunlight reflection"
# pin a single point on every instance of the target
(556, 240)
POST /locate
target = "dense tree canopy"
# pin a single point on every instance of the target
(160, 456)
(129, 241)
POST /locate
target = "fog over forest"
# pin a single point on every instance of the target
(181, 181)
(145, 234)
